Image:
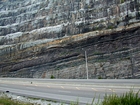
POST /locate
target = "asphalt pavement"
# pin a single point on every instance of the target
(65, 90)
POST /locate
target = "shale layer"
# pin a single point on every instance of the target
(51, 38)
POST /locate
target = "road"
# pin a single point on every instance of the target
(67, 90)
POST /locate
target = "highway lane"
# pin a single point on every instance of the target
(50, 92)
(102, 82)
(67, 90)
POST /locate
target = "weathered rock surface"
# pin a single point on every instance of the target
(40, 38)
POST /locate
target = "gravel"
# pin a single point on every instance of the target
(34, 101)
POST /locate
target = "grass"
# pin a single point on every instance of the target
(4, 100)
(129, 98)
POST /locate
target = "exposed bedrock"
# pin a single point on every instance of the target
(22, 20)
(112, 54)
(49, 38)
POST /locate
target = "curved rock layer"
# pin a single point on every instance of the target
(49, 38)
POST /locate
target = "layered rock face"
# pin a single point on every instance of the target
(44, 38)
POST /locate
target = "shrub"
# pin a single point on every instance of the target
(129, 98)
(100, 77)
(52, 77)
(122, 1)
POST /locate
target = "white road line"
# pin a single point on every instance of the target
(48, 86)
(77, 88)
(112, 90)
(62, 87)
(36, 85)
(94, 89)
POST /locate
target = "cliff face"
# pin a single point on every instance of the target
(40, 38)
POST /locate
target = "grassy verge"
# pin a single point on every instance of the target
(129, 98)
(4, 100)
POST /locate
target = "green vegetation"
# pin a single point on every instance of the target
(129, 98)
(122, 1)
(4, 100)
(110, 27)
(52, 77)
(100, 77)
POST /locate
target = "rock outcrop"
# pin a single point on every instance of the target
(44, 38)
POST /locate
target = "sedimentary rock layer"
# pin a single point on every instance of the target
(41, 38)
